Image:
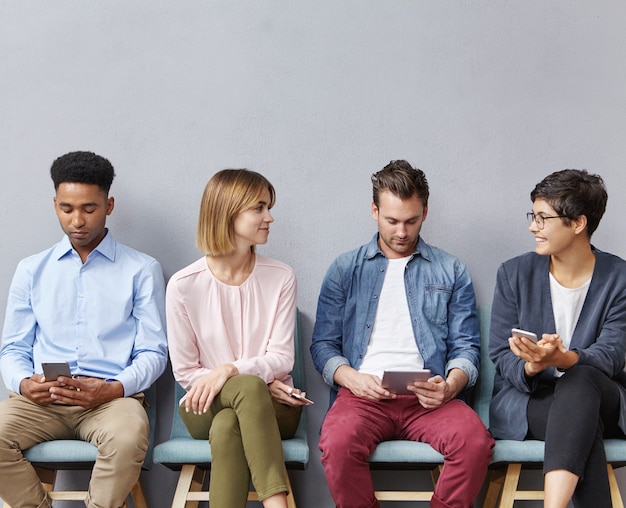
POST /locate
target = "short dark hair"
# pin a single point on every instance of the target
(82, 167)
(402, 180)
(572, 193)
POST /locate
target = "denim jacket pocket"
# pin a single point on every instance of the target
(436, 298)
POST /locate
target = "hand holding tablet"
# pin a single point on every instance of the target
(397, 381)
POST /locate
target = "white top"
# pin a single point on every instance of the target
(210, 323)
(567, 303)
(392, 344)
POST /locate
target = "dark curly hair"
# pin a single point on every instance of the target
(82, 167)
(572, 193)
(402, 180)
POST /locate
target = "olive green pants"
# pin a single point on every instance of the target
(244, 425)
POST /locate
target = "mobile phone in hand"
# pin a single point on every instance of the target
(516, 332)
(300, 397)
(52, 370)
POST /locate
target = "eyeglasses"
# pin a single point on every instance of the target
(539, 219)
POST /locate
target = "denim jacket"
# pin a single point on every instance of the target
(441, 303)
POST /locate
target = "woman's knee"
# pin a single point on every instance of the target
(580, 379)
(247, 385)
(225, 423)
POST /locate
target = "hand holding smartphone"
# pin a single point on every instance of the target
(52, 370)
(302, 398)
(516, 332)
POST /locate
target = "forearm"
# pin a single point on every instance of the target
(457, 382)
(345, 376)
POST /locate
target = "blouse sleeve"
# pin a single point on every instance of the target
(182, 340)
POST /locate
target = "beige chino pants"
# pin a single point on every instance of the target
(119, 429)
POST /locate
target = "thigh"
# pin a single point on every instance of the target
(537, 412)
(122, 421)
(438, 427)
(288, 418)
(353, 419)
(579, 398)
(246, 394)
(25, 423)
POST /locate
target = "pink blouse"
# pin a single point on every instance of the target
(210, 323)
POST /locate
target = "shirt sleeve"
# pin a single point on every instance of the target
(149, 353)
(327, 343)
(504, 316)
(18, 336)
(463, 331)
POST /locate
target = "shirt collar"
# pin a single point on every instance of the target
(106, 247)
(421, 249)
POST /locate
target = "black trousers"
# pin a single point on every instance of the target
(573, 417)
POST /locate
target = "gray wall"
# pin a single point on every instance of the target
(486, 97)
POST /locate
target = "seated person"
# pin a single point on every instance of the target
(98, 305)
(230, 320)
(566, 389)
(397, 303)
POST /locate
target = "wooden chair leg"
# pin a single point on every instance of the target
(191, 479)
(291, 501)
(138, 496)
(510, 485)
(435, 474)
(496, 481)
(47, 477)
(616, 497)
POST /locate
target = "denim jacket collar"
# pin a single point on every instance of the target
(421, 249)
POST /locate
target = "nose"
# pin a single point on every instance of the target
(78, 221)
(268, 217)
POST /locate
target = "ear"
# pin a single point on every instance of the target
(374, 211)
(424, 213)
(110, 205)
(580, 224)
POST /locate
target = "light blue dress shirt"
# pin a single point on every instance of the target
(105, 317)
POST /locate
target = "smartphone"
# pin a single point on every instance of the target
(52, 370)
(516, 332)
(300, 397)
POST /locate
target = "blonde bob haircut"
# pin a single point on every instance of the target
(228, 193)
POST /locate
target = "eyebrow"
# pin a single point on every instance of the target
(389, 217)
(64, 203)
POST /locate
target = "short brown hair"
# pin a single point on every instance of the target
(226, 194)
(402, 180)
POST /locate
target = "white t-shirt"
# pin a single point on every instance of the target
(567, 303)
(392, 344)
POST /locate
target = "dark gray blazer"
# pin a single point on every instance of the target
(522, 300)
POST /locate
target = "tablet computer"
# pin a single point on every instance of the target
(397, 381)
